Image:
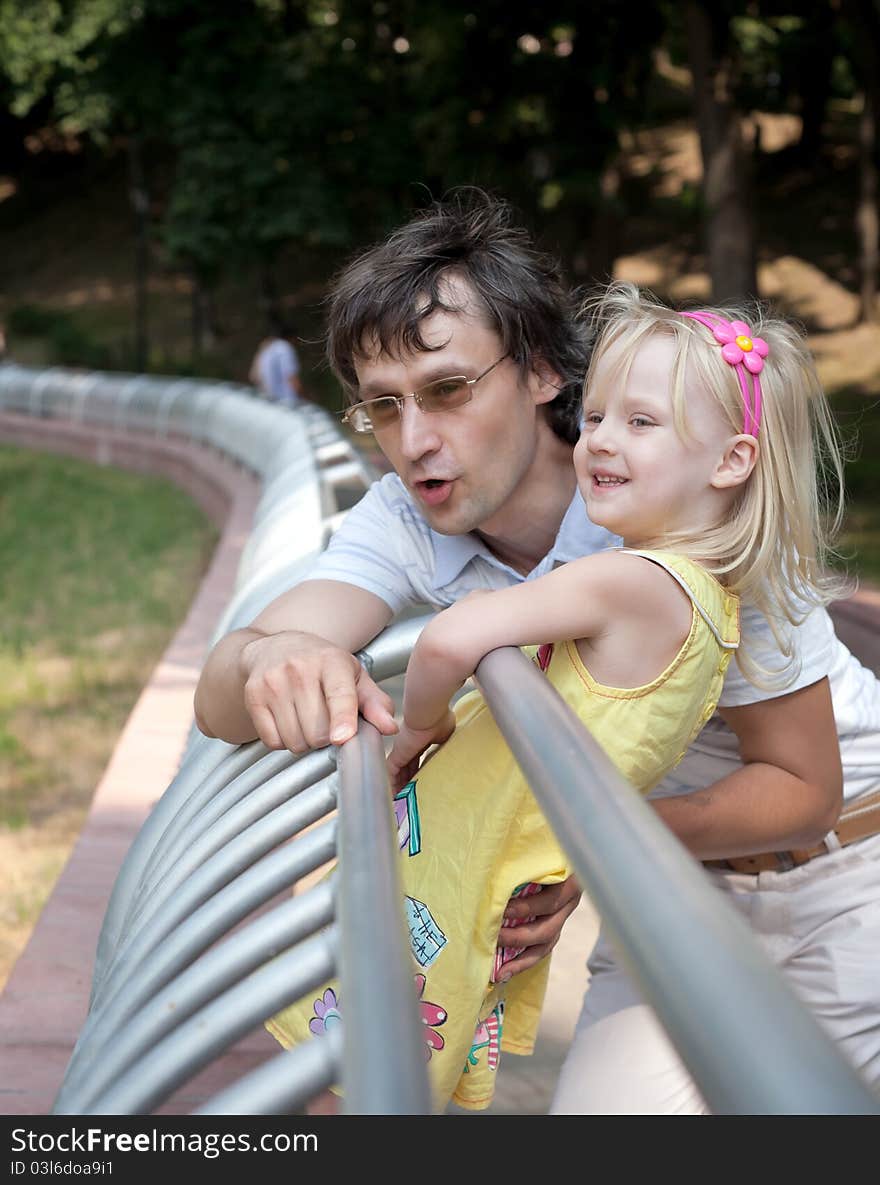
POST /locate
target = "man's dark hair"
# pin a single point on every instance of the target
(386, 292)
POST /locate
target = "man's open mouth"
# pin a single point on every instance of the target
(434, 490)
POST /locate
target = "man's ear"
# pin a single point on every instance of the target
(736, 464)
(545, 382)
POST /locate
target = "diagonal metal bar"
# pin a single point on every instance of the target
(180, 1055)
(218, 969)
(285, 1084)
(272, 874)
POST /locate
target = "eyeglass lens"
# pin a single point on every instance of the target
(441, 395)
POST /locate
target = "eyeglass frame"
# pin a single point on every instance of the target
(398, 399)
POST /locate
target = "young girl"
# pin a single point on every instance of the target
(700, 445)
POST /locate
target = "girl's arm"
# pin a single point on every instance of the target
(567, 603)
(577, 600)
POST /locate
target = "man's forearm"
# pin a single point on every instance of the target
(759, 808)
(219, 699)
(289, 677)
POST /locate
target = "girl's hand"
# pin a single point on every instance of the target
(410, 744)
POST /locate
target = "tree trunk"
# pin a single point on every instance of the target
(140, 204)
(727, 169)
(815, 72)
(270, 304)
(864, 16)
(204, 336)
(867, 221)
(604, 244)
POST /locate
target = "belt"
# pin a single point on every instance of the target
(857, 821)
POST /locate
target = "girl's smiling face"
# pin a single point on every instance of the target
(638, 476)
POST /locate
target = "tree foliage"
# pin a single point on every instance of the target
(265, 123)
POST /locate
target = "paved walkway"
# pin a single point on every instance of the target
(44, 1003)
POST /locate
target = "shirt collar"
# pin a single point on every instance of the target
(452, 553)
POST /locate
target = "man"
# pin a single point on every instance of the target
(275, 369)
(483, 494)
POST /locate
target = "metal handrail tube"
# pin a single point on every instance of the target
(385, 656)
(286, 1083)
(714, 990)
(217, 872)
(388, 653)
(218, 969)
(207, 803)
(258, 590)
(204, 836)
(181, 1054)
(273, 874)
(198, 770)
(384, 1064)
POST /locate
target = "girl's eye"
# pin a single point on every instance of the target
(593, 417)
(641, 422)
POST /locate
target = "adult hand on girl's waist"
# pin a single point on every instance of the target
(551, 909)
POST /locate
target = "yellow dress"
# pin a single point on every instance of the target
(471, 835)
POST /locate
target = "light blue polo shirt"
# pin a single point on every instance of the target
(386, 547)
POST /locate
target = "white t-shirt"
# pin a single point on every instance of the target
(276, 364)
(386, 547)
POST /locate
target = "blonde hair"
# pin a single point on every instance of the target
(773, 548)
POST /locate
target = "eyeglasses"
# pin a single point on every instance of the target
(442, 395)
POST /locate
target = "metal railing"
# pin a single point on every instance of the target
(202, 941)
(176, 981)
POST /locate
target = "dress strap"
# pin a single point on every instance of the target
(680, 580)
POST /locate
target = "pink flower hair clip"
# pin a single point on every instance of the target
(746, 354)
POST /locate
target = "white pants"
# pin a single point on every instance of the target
(819, 923)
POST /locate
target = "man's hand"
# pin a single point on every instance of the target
(303, 692)
(410, 744)
(551, 908)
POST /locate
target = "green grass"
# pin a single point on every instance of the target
(99, 567)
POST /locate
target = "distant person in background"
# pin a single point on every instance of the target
(275, 369)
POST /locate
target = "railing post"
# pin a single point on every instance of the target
(384, 1064)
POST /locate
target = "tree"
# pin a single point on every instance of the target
(57, 55)
(727, 168)
(864, 18)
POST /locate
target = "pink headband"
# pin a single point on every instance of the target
(745, 354)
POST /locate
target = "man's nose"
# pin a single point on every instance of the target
(418, 431)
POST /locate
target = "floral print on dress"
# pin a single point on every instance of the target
(327, 1013)
(432, 1017)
